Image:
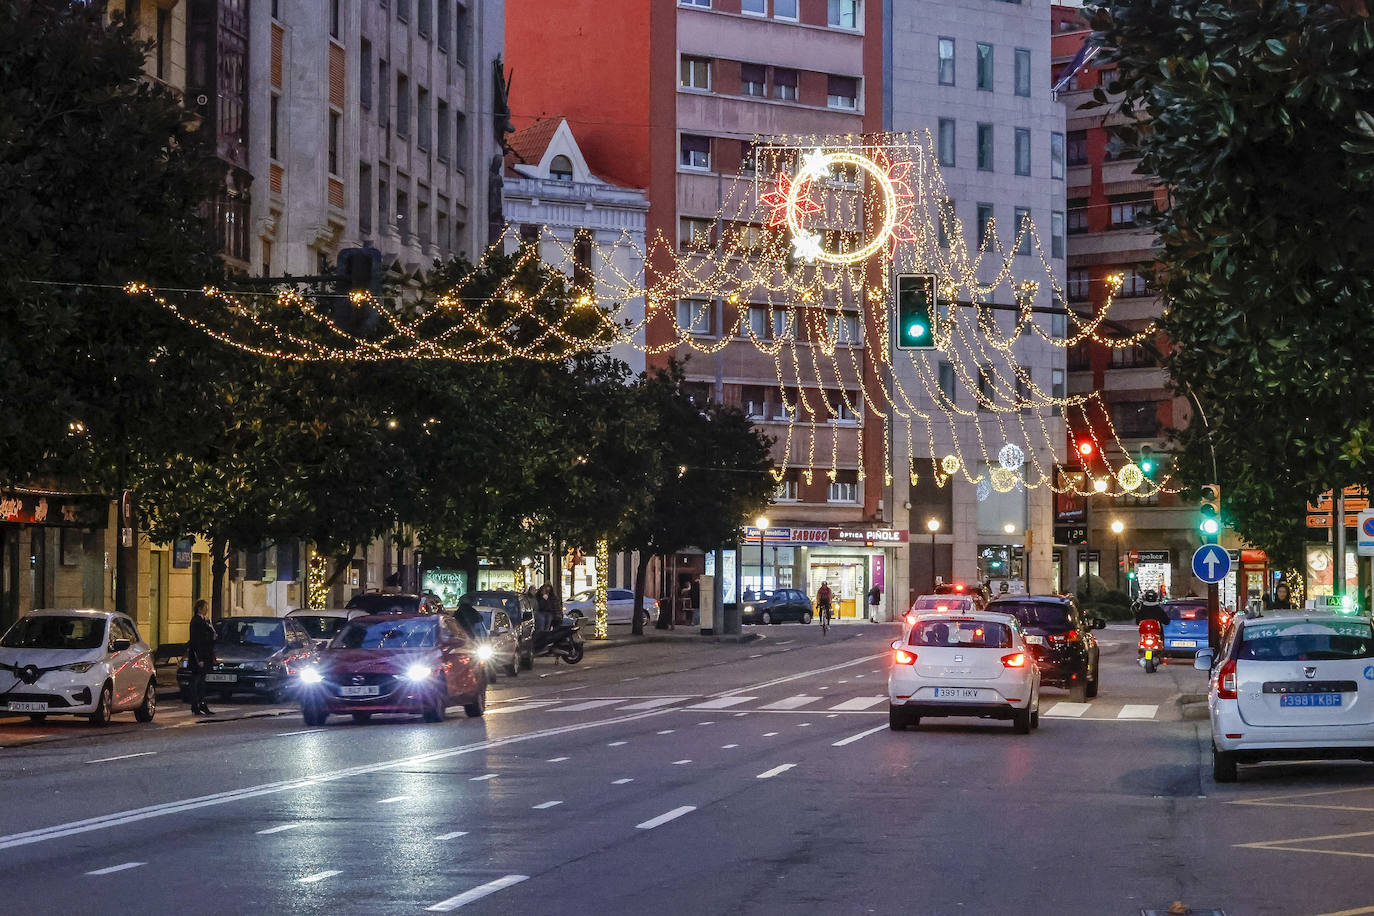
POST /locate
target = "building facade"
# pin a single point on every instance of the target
(974, 74)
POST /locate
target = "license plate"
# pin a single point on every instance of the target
(1186, 643)
(360, 691)
(1149, 654)
(221, 678)
(956, 693)
(1035, 640)
(28, 707)
(1310, 699)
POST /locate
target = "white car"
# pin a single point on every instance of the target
(945, 604)
(323, 624)
(1291, 685)
(79, 663)
(620, 604)
(963, 665)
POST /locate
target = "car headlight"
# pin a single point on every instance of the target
(79, 667)
(311, 676)
(418, 672)
(485, 652)
(748, 609)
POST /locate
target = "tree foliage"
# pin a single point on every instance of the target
(1257, 117)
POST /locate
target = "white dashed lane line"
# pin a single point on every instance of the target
(483, 778)
(392, 800)
(114, 868)
(667, 731)
(769, 734)
(769, 774)
(621, 782)
(678, 763)
(616, 743)
(451, 836)
(123, 757)
(477, 893)
(304, 731)
(726, 747)
(664, 818)
(318, 876)
(548, 804)
(556, 759)
(278, 829)
(859, 737)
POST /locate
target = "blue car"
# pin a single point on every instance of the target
(1187, 628)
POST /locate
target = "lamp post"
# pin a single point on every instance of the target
(933, 525)
(1117, 528)
(762, 523)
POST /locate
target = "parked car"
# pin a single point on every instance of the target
(258, 655)
(776, 606)
(503, 646)
(1061, 638)
(1291, 685)
(323, 624)
(375, 601)
(396, 663)
(620, 603)
(963, 665)
(77, 663)
(1186, 631)
(514, 606)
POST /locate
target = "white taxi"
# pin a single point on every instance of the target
(1291, 685)
(963, 665)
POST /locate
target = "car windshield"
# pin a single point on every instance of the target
(320, 626)
(1186, 610)
(53, 632)
(486, 617)
(410, 633)
(1045, 615)
(760, 596)
(376, 603)
(943, 603)
(1302, 641)
(252, 632)
(972, 634)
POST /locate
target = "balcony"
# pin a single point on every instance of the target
(1115, 246)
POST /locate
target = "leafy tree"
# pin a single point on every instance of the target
(1257, 117)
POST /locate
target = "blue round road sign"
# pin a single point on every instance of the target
(1369, 527)
(1211, 563)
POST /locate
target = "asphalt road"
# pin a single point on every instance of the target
(682, 778)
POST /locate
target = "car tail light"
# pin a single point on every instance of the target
(1071, 636)
(1226, 680)
(958, 588)
(1016, 660)
(910, 618)
(903, 657)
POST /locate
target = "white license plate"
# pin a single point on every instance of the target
(1185, 643)
(221, 678)
(956, 693)
(1034, 640)
(360, 691)
(28, 707)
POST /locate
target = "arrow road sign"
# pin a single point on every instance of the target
(1211, 564)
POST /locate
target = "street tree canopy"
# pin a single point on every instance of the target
(1259, 119)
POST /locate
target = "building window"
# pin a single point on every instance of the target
(1056, 155)
(403, 10)
(985, 388)
(843, 406)
(1125, 214)
(560, 168)
(944, 220)
(754, 7)
(751, 401)
(845, 488)
(1135, 419)
(443, 131)
(383, 93)
(945, 374)
(383, 204)
(423, 17)
(365, 73)
(985, 225)
(704, 4)
(842, 92)
(1058, 389)
(984, 66)
(785, 9)
(460, 33)
(696, 73)
(402, 210)
(946, 57)
(402, 105)
(696, 151)
(1059, 322)
(755, 322)
(1078, 285)
(443, 237)
(694, 317)
(1134, 284)
(1078, 215)
(1023, 151)
(364, 198)
(422, 227)
(442, 32)
(1079, 357)
(781, 330)
(844, 329)
(1057, 234)
(784, 84)
(753, 80)
(1023, 72)
(460, 140)
(985, 147)
(334, 124)
(163, 38)
(422, 117)
(583, 278)
(334, 18)
(843, 14)
(273, 120)
(695, 232)
(1078, 147)
(947, 156)
(1023, 230)
(786, 491)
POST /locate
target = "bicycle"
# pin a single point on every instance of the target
(825, 618)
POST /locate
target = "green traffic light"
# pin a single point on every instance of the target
(1209, 526)
(1147, 466)
(1131, 574)
(916, 331)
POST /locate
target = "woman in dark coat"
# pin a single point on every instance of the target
(200, 655)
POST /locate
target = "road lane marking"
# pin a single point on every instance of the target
(477, 893)
(556, 759)
(318, 876)
(708, 722)
(588, 704)
(759, 655)
(740, 714)
(620, 782)
(769, 734)
(664, 818)
(483, 778)
(114, 868)
(278, 829)
(655, 703)
(304, 731)
(1068, 710)
(678, 763)
(790, 702)
(392, 800)
(804, 725)
(1287, 844)
(667, 731)
(859, 737)
(123, 757)
(722, 702)
(858, 703)
(1361, 911)
(548, 804)
(726, 747)
(769, 774)
(617, 743)
(451, 836)
(801, 674)
(1137, 711)
(520, 707)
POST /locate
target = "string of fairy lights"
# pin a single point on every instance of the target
(799, 259)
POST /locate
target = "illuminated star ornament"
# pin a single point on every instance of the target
(806, 246)
(789, 196)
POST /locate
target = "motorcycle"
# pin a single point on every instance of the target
(563, 641)
(1150, 646)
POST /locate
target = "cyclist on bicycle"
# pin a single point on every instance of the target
(823, 602)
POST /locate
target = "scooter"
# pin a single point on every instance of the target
(563, 641)
(1150, 647)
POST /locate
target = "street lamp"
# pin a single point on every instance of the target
(762, 523)
(1117, 528)
(932, 526)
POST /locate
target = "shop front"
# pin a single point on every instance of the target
(853, 563)
(53, 552)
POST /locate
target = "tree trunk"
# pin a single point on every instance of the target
(665, 617)
(641, 570)
(219, 563)
(556, 570)
(126, 561)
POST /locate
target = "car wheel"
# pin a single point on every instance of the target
(314, 715)
(362, 718)
(1035, 719)
(899, 718)
(1223, 765)
(806, 617)
(1092, 685)
(437, 711)
(1021, 720)
(148, 708)
(104, 709)
(37, 716)
(477, 708)
(765, 618)
(514, 667)
(1078, 692)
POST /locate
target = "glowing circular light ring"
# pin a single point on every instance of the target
(1003, 480)
(950, 464)
(1130, 477)
(885, 187)
(1011, 457)
(984, 490)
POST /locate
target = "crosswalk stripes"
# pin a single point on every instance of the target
(653, 704)
(588, 704)
(1065, 710)
(858, 703)
(1141, 711)
(723, 703)
(791, 703)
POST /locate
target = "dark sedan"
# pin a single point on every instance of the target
(776, 606)
(396, 663)
(257, 655)
(1061, 637)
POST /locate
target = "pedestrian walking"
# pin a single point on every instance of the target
(875, 600)
(200, 655)
(547, 608)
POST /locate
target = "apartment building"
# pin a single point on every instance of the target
(974, 73)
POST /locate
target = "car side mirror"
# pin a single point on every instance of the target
(119, 645)
(1203, 660)
(1099, 623)
(896, 644)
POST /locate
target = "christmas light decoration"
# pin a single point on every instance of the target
(603, 572)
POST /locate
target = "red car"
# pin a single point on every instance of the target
(395, 663)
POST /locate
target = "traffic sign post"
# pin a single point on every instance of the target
(1211, 564)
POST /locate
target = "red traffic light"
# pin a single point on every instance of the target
(1085, 447)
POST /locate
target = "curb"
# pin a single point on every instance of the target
(1193, 706)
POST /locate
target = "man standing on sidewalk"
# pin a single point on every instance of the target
(200, 655)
